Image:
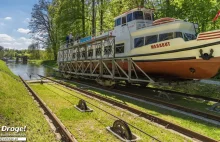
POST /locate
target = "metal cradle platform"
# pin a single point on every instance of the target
(98, 59)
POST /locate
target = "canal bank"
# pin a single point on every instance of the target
(18, 109)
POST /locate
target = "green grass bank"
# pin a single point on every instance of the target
(18, 109)
(48, 63)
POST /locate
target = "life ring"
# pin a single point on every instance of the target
(163, 20)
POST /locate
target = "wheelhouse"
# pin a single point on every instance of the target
(135, 14)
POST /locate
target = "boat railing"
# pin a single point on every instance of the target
(69, 44)
(161, 23)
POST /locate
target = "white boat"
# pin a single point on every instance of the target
(167, 47)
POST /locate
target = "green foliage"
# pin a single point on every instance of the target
(76, 16)
(50, 63)
(17, 108)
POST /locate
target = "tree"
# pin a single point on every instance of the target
(34, 50)
(1, 48)
(52, 21)
(42, 25)
(93, 18)
(1, 52)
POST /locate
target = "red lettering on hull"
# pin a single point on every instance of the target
(160, 45)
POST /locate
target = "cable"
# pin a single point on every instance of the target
(108, 113)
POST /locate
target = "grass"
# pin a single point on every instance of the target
(17, 109)
(91, 126)
(35, 62)
(202, 89)
(5, 69)
(217, 76)
(196, 125)
(48, 63)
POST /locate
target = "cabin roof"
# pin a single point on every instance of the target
(135, 9)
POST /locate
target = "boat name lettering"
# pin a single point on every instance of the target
(160, 45)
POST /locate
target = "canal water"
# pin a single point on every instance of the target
(29, 71)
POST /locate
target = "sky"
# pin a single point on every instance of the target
(14, 18)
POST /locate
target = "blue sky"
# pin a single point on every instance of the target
(14, 17)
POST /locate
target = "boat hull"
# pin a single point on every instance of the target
(184, 69)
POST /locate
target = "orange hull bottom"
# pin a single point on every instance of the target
(185, 69)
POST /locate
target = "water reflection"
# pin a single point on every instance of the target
(29, 70)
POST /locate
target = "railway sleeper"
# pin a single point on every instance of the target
(121, 130)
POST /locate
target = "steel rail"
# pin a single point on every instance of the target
(109, 114)
(196, 96)
(65, 134)
(174, 106)
(185, 94)
(152, 118)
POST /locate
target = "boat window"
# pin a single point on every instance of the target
(129, 17)
(83, 54)
(118, 22)
(123, 20)
(119, 48)
(188, 37)
(178, 34)
(73, 55)
(166, 36)
(151, 39)
(138, 15)
(90, 52)
(98, 51)
(107, 50)
(78, 55)
(138, 42)
(147, 16)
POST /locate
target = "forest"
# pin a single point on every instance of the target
(53, 20)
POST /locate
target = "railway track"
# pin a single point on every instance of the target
(65, 134)
(152, 118)
(185, 94)
(154, 138)
(165, 103)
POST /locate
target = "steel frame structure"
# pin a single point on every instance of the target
(96, 59)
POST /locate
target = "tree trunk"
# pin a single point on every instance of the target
(93, 18)
(142, 3)
(167, 8)
(101, 16)
(83, 18)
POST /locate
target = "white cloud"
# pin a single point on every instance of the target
(7, 18)
(27, 20)
(24, 31)
(5, 38)
(9, 42)
(22, 38)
